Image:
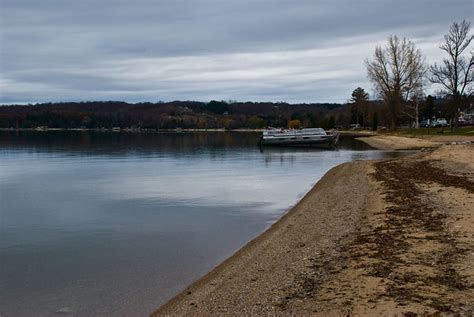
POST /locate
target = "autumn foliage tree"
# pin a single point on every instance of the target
(294, 124)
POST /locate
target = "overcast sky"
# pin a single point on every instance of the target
(150, 50)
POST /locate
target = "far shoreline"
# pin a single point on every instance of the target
(129, 130)
(343, 133)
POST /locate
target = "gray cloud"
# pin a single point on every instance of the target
(165, 50)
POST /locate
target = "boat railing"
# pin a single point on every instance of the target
(279, 132)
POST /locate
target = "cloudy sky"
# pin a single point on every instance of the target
(150, 50)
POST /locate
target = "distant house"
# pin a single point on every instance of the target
(467, 116)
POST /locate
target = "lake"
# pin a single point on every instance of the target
(114, 224)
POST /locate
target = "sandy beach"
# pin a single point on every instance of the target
(390, 142)
(392, 237)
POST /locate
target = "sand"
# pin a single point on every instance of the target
(389, 237)
(448, 138)
(390, 142)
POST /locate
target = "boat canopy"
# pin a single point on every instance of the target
(310, 131)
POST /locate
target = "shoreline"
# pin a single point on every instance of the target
(296, 266)
(128, 130)
(347, 133)
(267, 242)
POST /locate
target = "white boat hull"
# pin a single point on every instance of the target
(300, 140)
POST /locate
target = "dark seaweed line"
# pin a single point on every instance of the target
(411, 214)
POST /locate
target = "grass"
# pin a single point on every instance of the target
(434, 131)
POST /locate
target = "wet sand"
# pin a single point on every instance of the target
(388, 237)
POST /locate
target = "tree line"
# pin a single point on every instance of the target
(358, 111)
(171, 115)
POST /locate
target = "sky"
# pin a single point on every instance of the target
(244, 50)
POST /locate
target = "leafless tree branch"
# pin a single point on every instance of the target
(457, 72)
(397, 72)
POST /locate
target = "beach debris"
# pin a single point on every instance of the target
(409, 214)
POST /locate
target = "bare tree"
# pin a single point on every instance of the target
(397, 72)
(412, 108)
(456, 73)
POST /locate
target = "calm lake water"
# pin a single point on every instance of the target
(114, 224)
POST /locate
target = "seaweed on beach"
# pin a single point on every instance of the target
(409, 217)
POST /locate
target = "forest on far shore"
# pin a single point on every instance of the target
(205, 115)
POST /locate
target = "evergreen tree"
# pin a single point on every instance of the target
(359, 107)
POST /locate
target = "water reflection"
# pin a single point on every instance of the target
(116, 223)
(111, 143)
